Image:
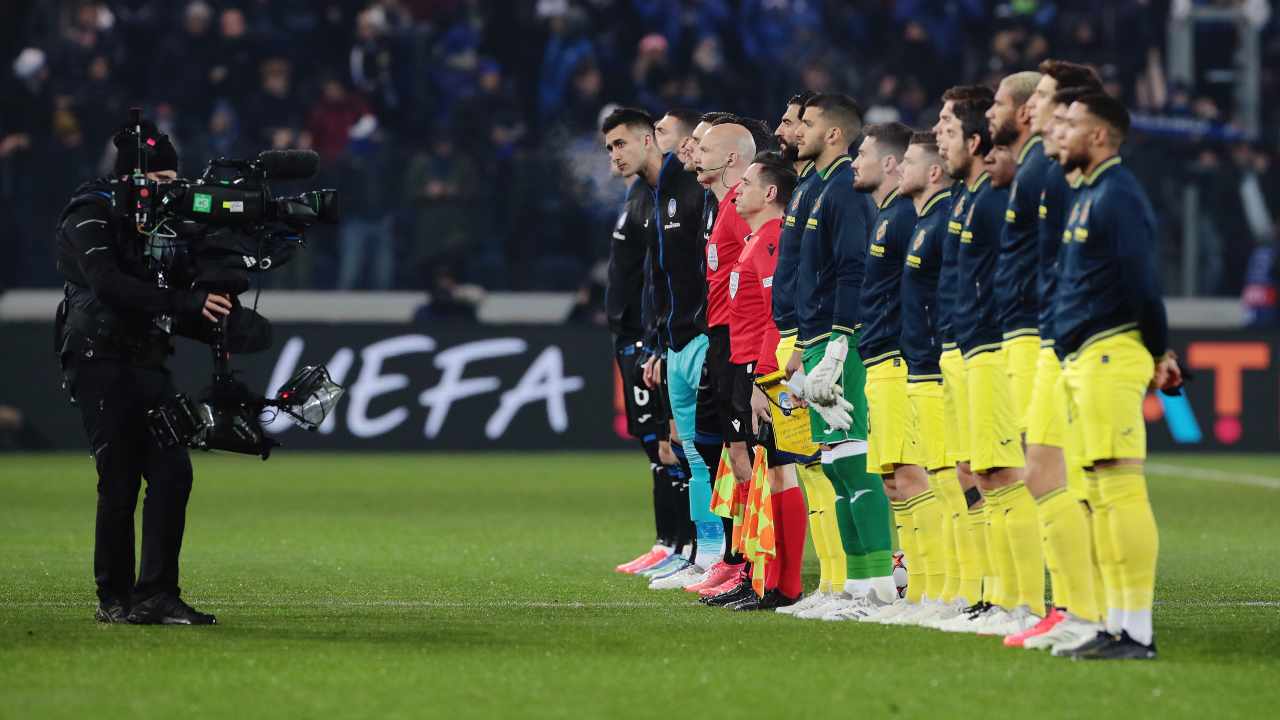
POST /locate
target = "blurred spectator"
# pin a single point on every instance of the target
(332, 118)
(367, 184)
(272, 116)
(232, 76)
(439, 187)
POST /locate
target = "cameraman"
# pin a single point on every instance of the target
(123, 293)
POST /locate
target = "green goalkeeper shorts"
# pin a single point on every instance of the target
(853, 380)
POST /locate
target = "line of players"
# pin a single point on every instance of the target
(973, 317)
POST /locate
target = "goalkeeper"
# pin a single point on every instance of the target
(828, 284)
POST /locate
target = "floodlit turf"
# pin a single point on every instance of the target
(481, 586)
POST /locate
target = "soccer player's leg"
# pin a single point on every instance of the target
(1022, 355)
(894, 453)
(685, 370)
(643, 423)
(942, 574)
(1064, 526)
(996, 456)
(1109, 381)
(870, 581)
(959, 490)
(821, 499)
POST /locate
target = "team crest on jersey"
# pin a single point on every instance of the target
(1075, 213)
(733, 285)
(795, 203)
(671, 207)
(884, 227)
(919, 240)
(1084, 211)
(713, 257)
(816, 204)
(959, 208)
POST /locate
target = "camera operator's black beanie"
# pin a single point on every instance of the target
(158, 151)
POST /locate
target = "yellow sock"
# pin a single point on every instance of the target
(905, 523)
(1068, 552)
(822, 527)
(1000, 567)
(1135, 542)
(943, 484)
(1022, 528)
(1104, 550)
(926, 511)
(976, 583)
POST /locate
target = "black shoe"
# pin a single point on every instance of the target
(747, 604)
(774, 599)
(111, 612)
(740, 592)
(168, 609)
(1110, 647)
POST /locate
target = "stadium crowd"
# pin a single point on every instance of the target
(464, 133)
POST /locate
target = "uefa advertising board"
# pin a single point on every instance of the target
(542, 387)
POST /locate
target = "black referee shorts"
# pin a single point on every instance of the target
(744, 380)
(715, 393)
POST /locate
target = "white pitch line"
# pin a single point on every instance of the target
(430, 604)
(1213, 475)
(505, 604)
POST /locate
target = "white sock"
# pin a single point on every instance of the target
(883, 589)
(1115, 620)
(1138, 624)
(708, 554)
(857, 588)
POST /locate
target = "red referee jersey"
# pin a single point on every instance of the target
(753, 337)
(723, 248)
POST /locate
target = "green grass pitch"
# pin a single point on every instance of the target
(405, 586)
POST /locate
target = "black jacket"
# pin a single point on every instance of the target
(678, 282)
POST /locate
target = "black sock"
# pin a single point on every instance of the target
(730, 556)
(661, 491)
(678, 499)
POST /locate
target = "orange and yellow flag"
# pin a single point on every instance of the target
(722, 488)
(758, 543)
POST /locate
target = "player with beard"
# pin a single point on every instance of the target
(722, 155)
(961, 498)
(674, 133)
(819, 493)
(1110, 325)
(677, 337)
(833, 254)
(1054, 474)
(994, 444)
(926, 183)
(892, 452)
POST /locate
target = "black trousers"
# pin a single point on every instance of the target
(114, 397)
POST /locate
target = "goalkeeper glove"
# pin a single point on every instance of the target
(838, 416)
(823, 384)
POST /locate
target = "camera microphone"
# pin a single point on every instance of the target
(288, 164)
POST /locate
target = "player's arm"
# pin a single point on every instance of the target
(94, 246)
(847, 224)
(1129, 219)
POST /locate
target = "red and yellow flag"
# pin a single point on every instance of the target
(722, 489)
(758, 544)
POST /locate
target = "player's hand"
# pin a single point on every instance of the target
(838, 416)
(759, 410)
(653, 372)
(216, 307)
(666, 455)
(795, 364)
(1168, 374)
(822, 387)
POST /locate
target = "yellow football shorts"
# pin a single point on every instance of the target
(1047, 415)
(1023, 355)
(1106, 382)
(929, 422)
(955, 396)
(889, 440)
(994, 438)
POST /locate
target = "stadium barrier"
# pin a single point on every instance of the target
(554, 387)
